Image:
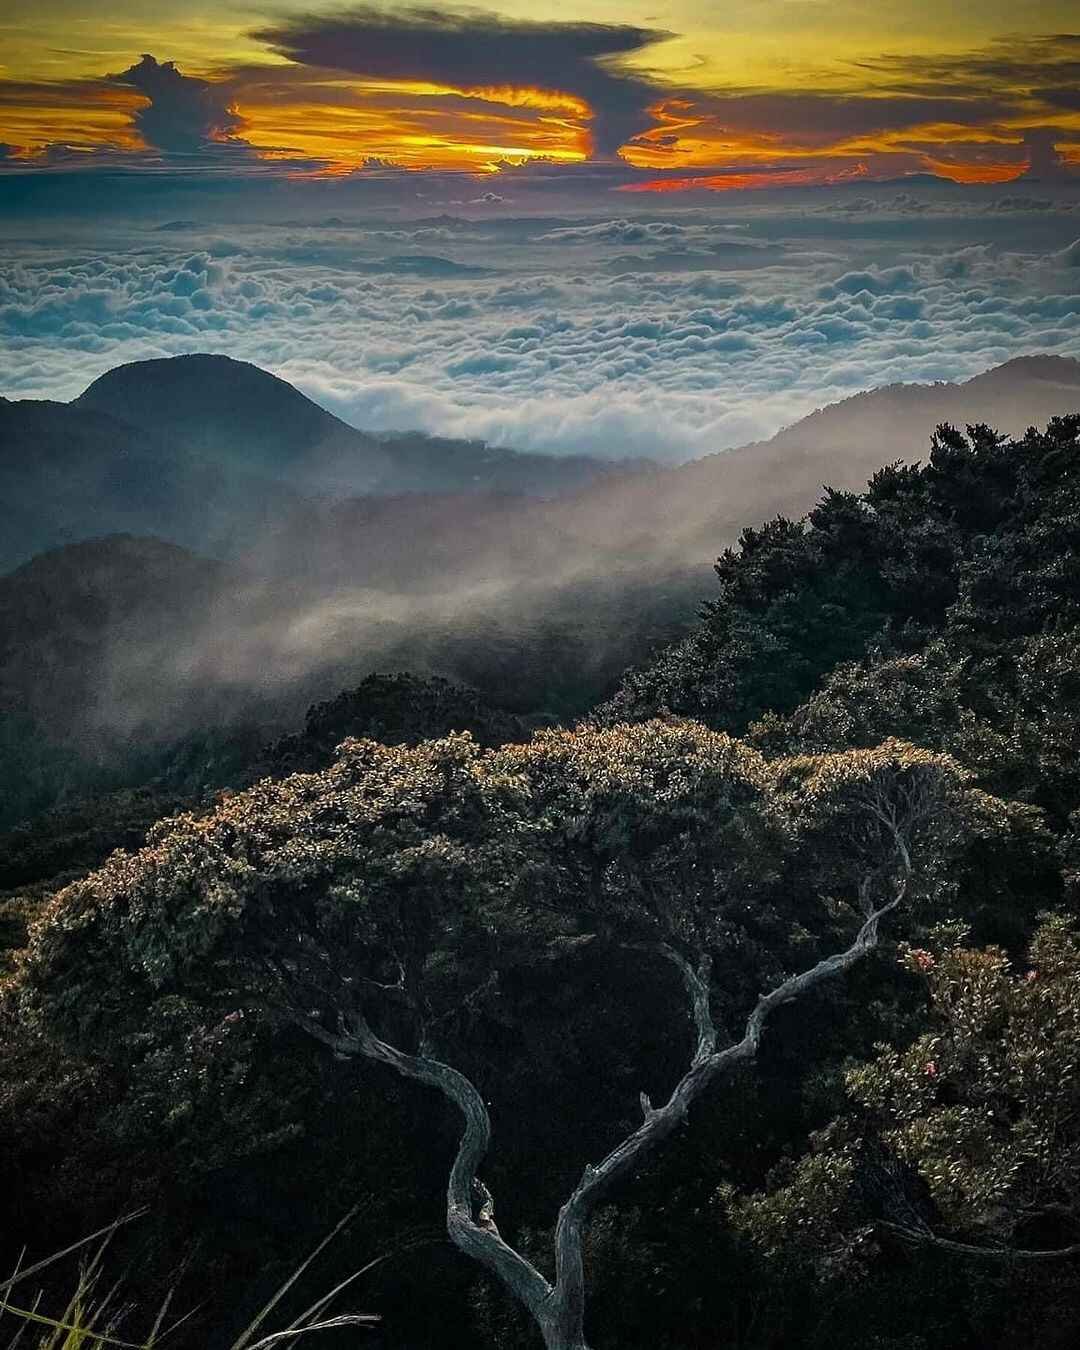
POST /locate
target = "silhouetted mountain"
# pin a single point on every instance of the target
(214, 405)
(208, 452)
(1010, 398)
(86, 634)
(687, 514)
(236, 414)
(224, 458)
(78, 622)
(662, 520)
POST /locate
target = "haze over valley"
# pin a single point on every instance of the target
(227, 550)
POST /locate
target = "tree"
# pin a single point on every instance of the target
(382, 907)
(978, 546)
(396, 709)
(967, 1141)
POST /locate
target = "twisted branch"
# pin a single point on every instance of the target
(559, 1309)
(476, 1237)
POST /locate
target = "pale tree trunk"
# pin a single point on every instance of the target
(559, 1309)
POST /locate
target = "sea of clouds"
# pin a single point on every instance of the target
(671, 335)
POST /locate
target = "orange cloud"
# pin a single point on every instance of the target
(415, 126)
(83, 114)
(474, 93)
(734, 181)
(975, 172)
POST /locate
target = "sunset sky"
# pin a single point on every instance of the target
(666, 96)
(660, 227)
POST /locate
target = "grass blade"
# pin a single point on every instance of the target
(244, 1339)
(105, 1232)
(345, 1320)
(56, 1324)
(406, 1244)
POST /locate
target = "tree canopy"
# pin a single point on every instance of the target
(381, 905)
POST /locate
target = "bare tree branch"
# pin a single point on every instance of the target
(478, 1238)
(707, 1065)
(559, 1309)
(925, 1238)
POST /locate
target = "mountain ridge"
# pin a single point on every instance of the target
(221, 456)
(211, 401)
(208, 452)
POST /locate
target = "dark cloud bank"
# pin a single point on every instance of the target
(476, 50)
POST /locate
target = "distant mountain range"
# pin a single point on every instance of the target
(338, 553)
(695, 509)
(226, 459)
(205, 451)
(656, 520)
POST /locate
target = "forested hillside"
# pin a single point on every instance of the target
(742, 1012)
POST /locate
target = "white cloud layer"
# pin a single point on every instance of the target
(663, 336)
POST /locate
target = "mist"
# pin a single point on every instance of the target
(528, 437)
(540, 602)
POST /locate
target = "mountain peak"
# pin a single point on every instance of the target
(179, 370)
(213, 399)
(119, 550)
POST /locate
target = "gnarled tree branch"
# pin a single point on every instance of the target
(476, 1237)
(923, 1237)
(707, 1065)
(559, 1309)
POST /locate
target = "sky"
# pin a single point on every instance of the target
(655, 229)
(651, 97)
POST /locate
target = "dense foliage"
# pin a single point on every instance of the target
(903, 1154)
(42, 854)
(963, 1145)
(978, 547)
